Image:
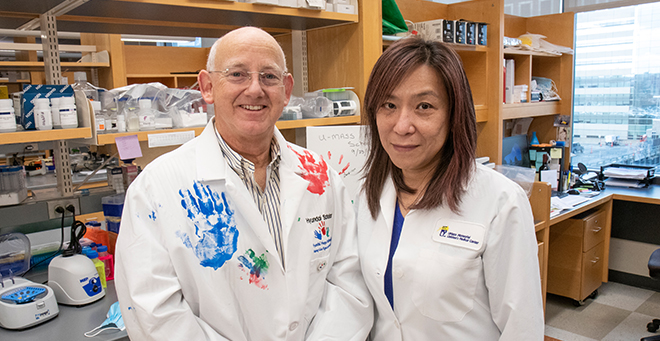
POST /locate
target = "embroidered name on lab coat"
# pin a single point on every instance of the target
(459, 233)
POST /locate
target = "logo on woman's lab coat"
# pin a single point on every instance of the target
(459, 233)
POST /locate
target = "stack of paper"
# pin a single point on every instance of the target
(625, 173)
(558, 204)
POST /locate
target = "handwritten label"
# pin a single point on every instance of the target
(343, 148)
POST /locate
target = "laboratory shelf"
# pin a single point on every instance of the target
(326, 121)
(103, 139)
(530, 53)
(193, 18)
(29, 136)
(39, 66)
(535, 109)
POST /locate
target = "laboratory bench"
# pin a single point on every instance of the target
(72, 322)
(580, 242)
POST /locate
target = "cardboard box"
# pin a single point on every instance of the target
(32, 92)
(4, 92)
(130, 172)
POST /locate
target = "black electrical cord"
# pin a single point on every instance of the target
(78, 231)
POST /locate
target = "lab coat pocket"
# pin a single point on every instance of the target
(318, 270)
(444, 287)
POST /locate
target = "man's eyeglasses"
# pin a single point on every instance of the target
(241, 77)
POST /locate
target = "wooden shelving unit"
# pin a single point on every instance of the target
(45, 135)
(103, 139)
(536, 109)
(39, 66)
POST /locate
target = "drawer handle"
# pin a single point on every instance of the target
(597, 229)
(594, 261)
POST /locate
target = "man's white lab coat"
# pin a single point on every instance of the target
(469, 276)
(195, 259)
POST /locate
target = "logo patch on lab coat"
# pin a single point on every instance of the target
(322, 237)
(459, 233)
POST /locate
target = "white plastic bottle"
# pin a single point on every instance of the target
(55, 112)
(43, 118)
(146, 115)
(7, 117)
(68, 113)
(99, 117)
(121, 124)
(80, 83)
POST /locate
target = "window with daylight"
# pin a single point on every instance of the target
(616, 110)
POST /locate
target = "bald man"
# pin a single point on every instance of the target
(238, 234)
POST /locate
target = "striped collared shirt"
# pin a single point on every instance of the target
(267, 201)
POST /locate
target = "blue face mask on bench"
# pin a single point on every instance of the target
(114, 321)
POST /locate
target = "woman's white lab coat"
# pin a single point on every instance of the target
(469, 276)
(196, 261)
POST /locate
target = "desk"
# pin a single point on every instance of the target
(604, 201)
(72, 322)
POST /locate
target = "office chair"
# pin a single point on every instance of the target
(654, 272)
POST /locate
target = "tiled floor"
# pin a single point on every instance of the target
(619, 313)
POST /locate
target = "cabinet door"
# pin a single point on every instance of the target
(592, 270)
(594, 229)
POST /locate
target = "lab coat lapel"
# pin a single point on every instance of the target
(292, 187)
(387, 205)
(213, 169)
(381, 237)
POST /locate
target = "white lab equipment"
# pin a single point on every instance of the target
(23, 303)
(344, 107)
(74, 280)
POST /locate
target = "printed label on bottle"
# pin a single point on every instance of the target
(68, 118)
(7, 121)
(100, 124)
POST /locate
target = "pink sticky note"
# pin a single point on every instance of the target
(128, 147)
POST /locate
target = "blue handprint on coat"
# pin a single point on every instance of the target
(216, 235)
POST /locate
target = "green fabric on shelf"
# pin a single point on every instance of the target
(392, 19)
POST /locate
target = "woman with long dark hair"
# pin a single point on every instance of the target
(447, 246)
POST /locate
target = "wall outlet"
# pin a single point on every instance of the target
(53, 204)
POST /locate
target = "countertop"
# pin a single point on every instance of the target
(72, 322)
